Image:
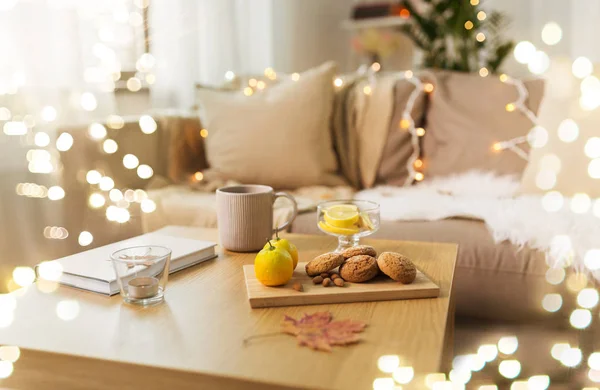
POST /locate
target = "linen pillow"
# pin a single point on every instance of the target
(466, 116)
(398, 147)
(278, 137)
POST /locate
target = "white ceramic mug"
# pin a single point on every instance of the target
(245, 216)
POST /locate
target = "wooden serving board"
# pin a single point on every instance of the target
(381, 288)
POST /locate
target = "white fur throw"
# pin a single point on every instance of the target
(564, 236)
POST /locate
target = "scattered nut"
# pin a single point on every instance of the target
(335, 276)
(338, 282)
(324, 275)
(323, 263)
(317, 280)
(298, 287)
(327, 282)
(397, 267)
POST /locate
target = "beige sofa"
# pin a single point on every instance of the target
(492, 281)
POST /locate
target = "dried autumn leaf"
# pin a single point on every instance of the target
(319, 332)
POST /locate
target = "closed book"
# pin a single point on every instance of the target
(92, 270)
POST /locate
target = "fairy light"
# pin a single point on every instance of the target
(538, 382)
(110, 146)
(261, 85)
(134, 84)
(229, 75)
(85, 238)
(594, 169)
(588, 298)
(524, 52)
(295, 76)
(582, 67)
(41, 139)
(552, 302)
(509, 368)
(508, 345)
(388, 363)
(551, 33)
(88, 101)
(468, 25)
(557, 350)
(592, 147)
(144, 171)
(580, 203)
(147, 124)
(591, 259)
(203, 133)
(481, 15)
(248, 91)
(147, 206)
(56, 193)
(403, 375)
(568, 131)
(106, 183)
(96, 200)
(375, 66)
(23, 276)
(571, 357)
(48, 113)
(484, 72)
(97, 131)
(115, 122)
(130, 161)
(480, 37)
(539, 63)
(198, 176)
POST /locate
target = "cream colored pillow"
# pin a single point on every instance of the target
(279, 136)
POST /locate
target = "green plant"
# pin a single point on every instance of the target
(458, 35)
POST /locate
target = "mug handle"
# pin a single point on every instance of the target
(294, 213)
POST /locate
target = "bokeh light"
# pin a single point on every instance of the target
(568, 130)
(56, 193)
(552, 302)
(96, 200)
(524, 52)
(67, 310)
(64, 142)
(509, 368)
(508, 345)
(551, 33)
(23, 276)
(147, 124)
(488, 352)
(558, 349)
(582, 67)
(388, 363)
(592, 147)
(148, 206)
(571, 357)
(403, 375)
(144, 171)
(539, 63)
(110, 146)
(85, 238)
(10, 353)
(581, 203)
(97, 131)
(580, 318)
(553, 201)
(50, 270)
(130, 161)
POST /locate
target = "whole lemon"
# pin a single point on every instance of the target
(286, 245)
(273, 266)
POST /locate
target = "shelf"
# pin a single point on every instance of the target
(383, 22)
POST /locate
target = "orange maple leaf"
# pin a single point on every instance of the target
(319, 332)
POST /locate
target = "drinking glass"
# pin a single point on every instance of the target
(142, 273)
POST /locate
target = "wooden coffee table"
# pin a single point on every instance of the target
(196, 338)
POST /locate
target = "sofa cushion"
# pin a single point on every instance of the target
(466, 116)
(279, 136)
(392, 165)
(494, 281)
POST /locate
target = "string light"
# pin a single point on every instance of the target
(96, 200)
(551, 33)
(144, 171)
(568, 131)
(97, 131)
(48, 114)
(571, 357)
(198, 176)
(367, 90)
(203, 133)
(480, 37)
(483, 72)
(468, 25)
(509, 368)
(147, 124)
(41, 139)
(130, 161)
(85, 238)
(582, 67)
(295, 76)
(481, 15)
(134, 84)
(539, 63)
(56, 193)
(261, 85)
(248, 91)
(338, 82)
(524, 52)
(110, 146)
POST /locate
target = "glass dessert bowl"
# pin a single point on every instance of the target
(348, 220)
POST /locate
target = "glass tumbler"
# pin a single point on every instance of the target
(142, 273)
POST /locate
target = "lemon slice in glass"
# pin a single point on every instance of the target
(338, 230)
(342, 216)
